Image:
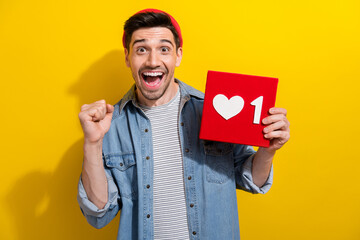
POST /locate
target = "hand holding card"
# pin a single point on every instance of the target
(234, 106)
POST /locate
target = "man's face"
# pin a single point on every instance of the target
(152, 57)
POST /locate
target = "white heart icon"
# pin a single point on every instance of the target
(228, 108)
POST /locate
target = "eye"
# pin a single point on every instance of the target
(141, 50)
(165, 49)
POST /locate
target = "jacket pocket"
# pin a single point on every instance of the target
(124, 171)
(219, 161)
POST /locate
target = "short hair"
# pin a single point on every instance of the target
(148, 20)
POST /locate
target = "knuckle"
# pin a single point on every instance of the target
(100, 112)
(83, 106)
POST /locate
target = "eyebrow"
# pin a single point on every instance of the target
(168, 41)
(143, 40)
(139, 40)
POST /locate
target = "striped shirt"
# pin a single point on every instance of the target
(170, 218)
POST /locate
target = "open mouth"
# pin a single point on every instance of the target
(152, 78)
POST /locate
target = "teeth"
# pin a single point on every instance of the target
(153, 74)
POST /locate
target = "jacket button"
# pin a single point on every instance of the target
(182, 124)
(187, 150)
(194, 233)
(189, 177)
(121, 164)
(148, 186)
(146, 130)
(148, 216)
(147, 157)
(191, 205)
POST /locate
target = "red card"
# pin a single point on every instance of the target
(234, 107)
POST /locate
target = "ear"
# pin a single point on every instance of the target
(178, 56)
(127, 57)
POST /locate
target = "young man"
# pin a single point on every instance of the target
(144, 156)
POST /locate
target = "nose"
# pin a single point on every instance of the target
(153, 59)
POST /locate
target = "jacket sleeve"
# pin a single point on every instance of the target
(243, 156)
(99, 218)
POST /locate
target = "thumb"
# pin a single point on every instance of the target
(109, 112)
(109, 108)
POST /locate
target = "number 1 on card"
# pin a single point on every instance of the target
(258, 107)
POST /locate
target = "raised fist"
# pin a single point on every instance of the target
(95, 119)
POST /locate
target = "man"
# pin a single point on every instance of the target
(144, 157)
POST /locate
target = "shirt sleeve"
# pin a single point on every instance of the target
(98, 218)
(244, 156)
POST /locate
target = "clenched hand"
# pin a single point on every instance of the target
(95, 119)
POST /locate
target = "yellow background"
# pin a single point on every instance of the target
(57, 55)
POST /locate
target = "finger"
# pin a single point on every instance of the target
(280, 125)
(84, 116)
(275, 110)
(283, 136)
(97, 113)
(91, 105)
(101, 107)
(102, 101)
(84, 107)
(274, 118)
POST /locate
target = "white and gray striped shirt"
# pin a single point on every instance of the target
(170, 218)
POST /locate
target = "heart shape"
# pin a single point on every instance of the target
(228, 108)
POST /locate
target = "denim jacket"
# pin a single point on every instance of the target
(212, 172)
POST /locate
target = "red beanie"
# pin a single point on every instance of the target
(173, 21)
